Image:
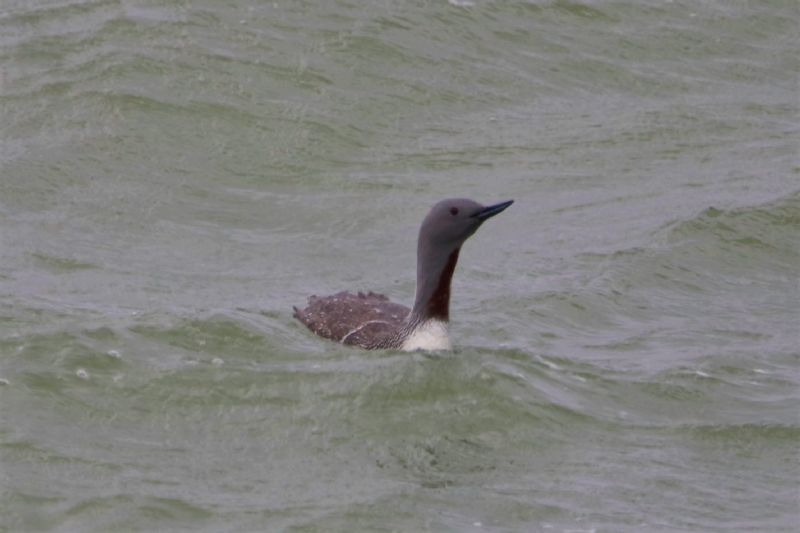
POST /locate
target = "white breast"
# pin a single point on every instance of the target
(431, 335)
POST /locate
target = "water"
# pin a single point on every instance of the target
(176, 176)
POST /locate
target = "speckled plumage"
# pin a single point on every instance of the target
(365, 320)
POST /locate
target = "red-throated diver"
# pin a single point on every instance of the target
(371, 321)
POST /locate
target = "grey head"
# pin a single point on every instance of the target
(448, 224)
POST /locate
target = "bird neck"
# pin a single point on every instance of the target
(434, 275)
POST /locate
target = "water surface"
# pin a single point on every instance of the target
(174, 177)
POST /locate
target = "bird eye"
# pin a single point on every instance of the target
(454, 211)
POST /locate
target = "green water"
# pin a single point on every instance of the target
(175, 176)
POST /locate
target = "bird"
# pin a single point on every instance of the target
(371, 321)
